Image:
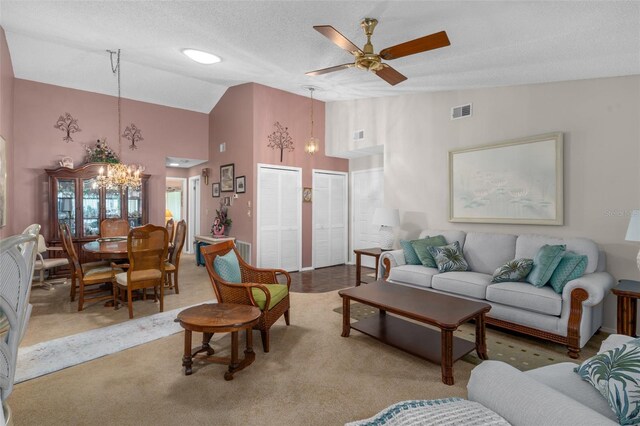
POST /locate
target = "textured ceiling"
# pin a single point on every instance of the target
(273, 43)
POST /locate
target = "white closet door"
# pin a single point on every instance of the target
(367, 194)
(279, 218)
(329, 218)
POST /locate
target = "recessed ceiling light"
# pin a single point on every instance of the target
(174, 164)
(201, 57)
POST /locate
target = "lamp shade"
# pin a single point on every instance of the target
(168, 215)
(633, 231)
(386, 217)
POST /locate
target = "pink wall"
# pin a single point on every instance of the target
(6, 127)
(166, 131)
(292, 111)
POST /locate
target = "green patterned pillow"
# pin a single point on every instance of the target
(410, 255)
(513, 271)
(422, 249)
(571, 267)
(228, 268)
(449, 258)
(616, 375)
(544, 263)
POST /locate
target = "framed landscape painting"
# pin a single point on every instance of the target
(226, 178)
(517, 182)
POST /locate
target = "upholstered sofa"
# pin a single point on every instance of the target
(570, 318)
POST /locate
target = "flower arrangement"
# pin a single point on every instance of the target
(223, 216)
(101, 153)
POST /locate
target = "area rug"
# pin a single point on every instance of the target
(57, 354)
(523, 352)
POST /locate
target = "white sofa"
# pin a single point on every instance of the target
(570, 318)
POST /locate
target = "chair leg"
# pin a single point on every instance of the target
(286, 317)
(81, 296)
(264, 334)
(162, 297)
(130, 302)
(115, 297)
(175, 281)
(72, 294)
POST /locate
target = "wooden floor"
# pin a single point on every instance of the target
(327, 279)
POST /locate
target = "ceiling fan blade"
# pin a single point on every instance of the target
(334, 35)
(422, 44)
(330, 69)
(390, 75)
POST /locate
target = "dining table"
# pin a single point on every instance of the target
(113, 248)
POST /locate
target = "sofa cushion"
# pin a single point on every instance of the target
(413, 274)
(485, 252)
(544, 263)
(410, 255)
(522, 295)
(472, 284)
(528, 246)
(422, 246)
(571, 267)
(276, 291)
(512, 271)
(449, 235)
(449, 258)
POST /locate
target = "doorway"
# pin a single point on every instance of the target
(193, 228)
(175, 198)
(329, 218)
(367, 193)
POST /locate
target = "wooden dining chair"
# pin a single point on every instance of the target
(147, 247)
(172, 266)
(235, 281)
(114, 228)
(86, 276)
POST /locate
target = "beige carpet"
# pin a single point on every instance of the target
(312, 376)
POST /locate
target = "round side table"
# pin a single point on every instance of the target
(219, 318)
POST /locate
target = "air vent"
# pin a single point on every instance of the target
(223, 147)
(461, 111)
(358, 135)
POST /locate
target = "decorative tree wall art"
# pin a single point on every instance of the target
(69, 125)
(280, 139)
(133, 134)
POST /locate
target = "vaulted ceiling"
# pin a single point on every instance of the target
(273, 43)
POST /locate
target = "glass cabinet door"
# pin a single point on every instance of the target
(134, 207)
(67, 203)
(113, 203)
(90, 208)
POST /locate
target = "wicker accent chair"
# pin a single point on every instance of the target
(172, 266)
(114, 228)
(241, 293)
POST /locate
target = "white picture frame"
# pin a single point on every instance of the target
(3, 182)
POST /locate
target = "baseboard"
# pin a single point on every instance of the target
(308, 268)
(608, 330)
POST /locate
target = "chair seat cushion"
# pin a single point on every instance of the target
(277, 292)
(169, 267)
(100, 274)
(472, 284)
(144, 275)
(228, 267)
(413, 274)
(49, 263)
(522, 295)
(92, 265)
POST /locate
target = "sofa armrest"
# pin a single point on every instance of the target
(521, 400)
(597, 286)
(396, 258)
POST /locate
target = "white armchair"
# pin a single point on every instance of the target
(43, 264)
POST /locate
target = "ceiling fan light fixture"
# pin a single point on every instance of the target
(201, 57)
(174, 164)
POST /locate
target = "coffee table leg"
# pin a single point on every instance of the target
(206, 338)
(481, 340)
(358, 272)
(346, 316)
(234, 356)
(447, 356)
(186, 359)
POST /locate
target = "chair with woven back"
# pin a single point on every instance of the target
(147, 247)
(86, 275)
(235, 281)
(114, 228)
(173, 264)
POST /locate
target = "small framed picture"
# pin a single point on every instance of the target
(306, 195)
(226, 201)
(215, 189)
(241, 184)
(226, 178)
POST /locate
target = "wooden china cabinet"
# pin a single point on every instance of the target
(74, 200)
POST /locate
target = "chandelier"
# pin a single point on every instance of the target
(311, 146)
(119, 175)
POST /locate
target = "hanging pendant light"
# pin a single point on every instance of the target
(312, 144)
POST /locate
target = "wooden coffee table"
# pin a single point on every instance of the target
(218, 318)
(440, 310)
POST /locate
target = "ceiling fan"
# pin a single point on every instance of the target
(367, 60)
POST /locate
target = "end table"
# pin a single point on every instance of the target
(373, 252)
(628, 292)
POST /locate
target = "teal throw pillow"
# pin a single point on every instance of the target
(616, 375)
(513, 271)
(449, 258)
(228, 268)
(571, 267)
(410, 255)
(422, 249)
(544, 263)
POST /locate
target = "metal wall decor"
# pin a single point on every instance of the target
(280, 139)
(69, 125)
(133, 134)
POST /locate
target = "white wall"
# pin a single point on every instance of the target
(600, 119)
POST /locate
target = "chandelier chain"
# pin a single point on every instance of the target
(116, 70)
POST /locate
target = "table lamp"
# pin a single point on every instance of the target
(387, 219)
(167, 215)
(633, 231)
